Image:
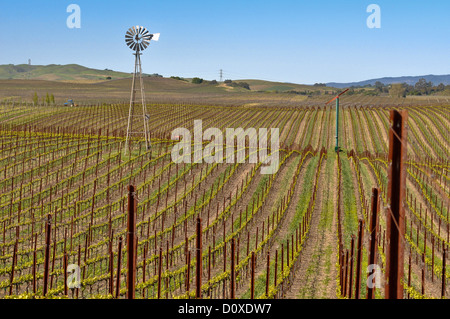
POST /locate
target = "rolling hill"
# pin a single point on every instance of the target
(411, 80)
(54, 72)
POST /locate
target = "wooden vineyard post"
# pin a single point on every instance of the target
(48, 235)
(232, 280)
(111, 270)
(159, 272)
(444, 253)
(359, 258)
(373, 238)
(188, 270)
(268, 274)
(276, 269)
(350, 285)
(395, 221)
(119, 259)
(252, 284)
(198, 288)
(34, 264)
(65, 274)
(131, 242)
(14, 262)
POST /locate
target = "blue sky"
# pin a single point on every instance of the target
(284, 40)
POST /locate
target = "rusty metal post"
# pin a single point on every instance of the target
(232, 279)
(198, 288)
(65, 274)
(373, 238)
(111, 272)
(159, 272)
(119, 262)
(34, 264)
(13, 264)
(131, 242)
(350, 285)
(423, 273)
(395, 221)
(188, 276)
(346, 273)
(409, 271)
(276, 269)
(48, 235)
(268, 273)
(359, 258)
(252, 285)
(443, 269)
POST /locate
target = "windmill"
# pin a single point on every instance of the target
(138, 39)
(336, 149)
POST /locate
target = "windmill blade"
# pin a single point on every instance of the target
(143, 30)
(145, 44)
(129, 33)
(156, 36)
(146, 33)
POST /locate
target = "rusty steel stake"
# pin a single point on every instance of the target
(443, 269)
(119, 258)
(373, 237)
(350, 285)
(359, 258)
(131, 242)
(48, 235)
(159, 272)
(232, 280)
(198, 290)
(395, 221)
(34, 264)
(188, 277)
(252, 285)
(65, 274)
(268, 273)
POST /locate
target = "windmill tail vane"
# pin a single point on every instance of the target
(138, 39)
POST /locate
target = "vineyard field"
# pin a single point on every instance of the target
(65, 169)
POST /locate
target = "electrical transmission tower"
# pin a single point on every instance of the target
(138, 38)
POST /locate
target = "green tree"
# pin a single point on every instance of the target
(52, 99)
(423, 86)
(379, 86)
(197, 80)
(397, 90)
(47, 99)
(35, 99)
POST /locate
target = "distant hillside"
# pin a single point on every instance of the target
(53, 72)
(411, 80)
(269, 86)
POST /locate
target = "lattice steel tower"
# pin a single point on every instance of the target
(138, 38)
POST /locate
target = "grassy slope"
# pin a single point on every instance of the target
(52, 72)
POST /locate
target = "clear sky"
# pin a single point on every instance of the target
(283, 40)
